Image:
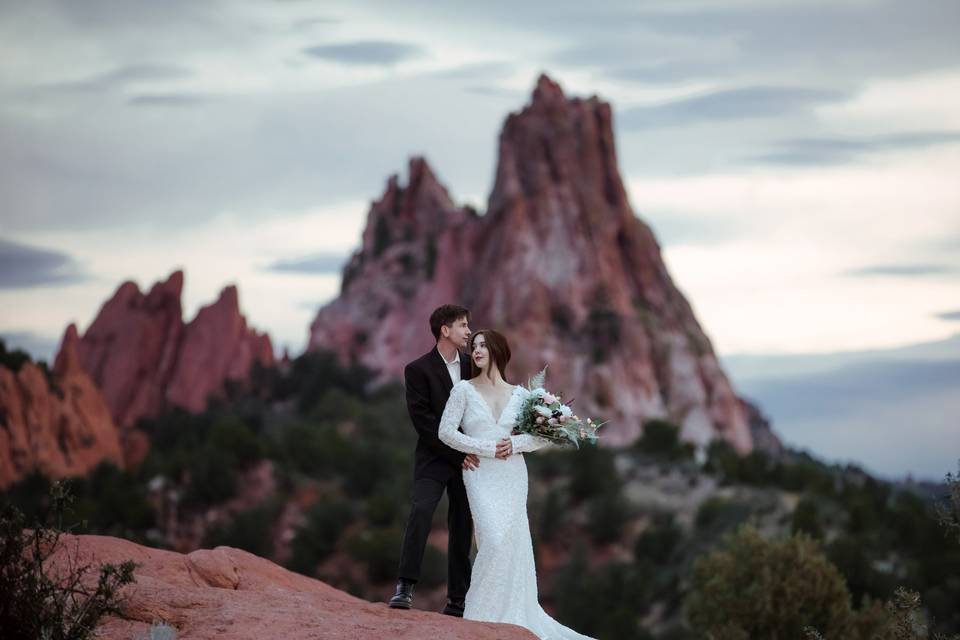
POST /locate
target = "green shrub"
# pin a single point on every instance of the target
(662, 439)
(551, 515)
(854, 558)
(593, 473)
(379, 549)
(45, 600)
(383, 510)
(608, 514)
(607, 602)
(212, 477)
(249, 530)
(433, 569)
(754, 588)
(948, 509)
(806, 519)
(717, 515)
(317, 537)
(231, 435)
(12, 360)
(657, 543)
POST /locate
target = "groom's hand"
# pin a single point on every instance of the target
(504, 448)
(470, 462)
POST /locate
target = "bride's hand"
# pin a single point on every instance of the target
(504, 448)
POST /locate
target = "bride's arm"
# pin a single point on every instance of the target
(525, 443)
(452, 436)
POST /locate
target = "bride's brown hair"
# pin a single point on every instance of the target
(499, 351)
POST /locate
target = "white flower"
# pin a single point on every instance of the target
(542, 410)
(565, 411)
(539, 392)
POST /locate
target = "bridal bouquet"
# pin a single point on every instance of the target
(544, 415)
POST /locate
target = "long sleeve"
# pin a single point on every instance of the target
(525, 443)
(449, 427)
(423, 418)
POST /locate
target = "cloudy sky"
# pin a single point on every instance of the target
(797, 160)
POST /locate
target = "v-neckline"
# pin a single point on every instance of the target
(487, 405)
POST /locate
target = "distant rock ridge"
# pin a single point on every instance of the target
(145, 358)
(559, 262)
(61, 427)
(137, 359)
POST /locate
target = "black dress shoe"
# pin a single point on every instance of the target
(403, 598)
(454, 607)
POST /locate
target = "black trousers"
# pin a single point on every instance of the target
(426, 494)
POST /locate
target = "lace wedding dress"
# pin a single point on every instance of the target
(503, 587)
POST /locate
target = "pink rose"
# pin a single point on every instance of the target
(563, 419)
(539, 419)
(552, 421)
(549, 398)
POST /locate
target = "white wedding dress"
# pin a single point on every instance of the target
(503, 587)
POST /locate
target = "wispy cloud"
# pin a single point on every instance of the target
(818, 151)
(306, 24)
(168, 100)
(949, 315)
(904, 270)
(120, 77)
(24, 266)
(477, 70)
(320, 263)
(367, 52)
(743, 103)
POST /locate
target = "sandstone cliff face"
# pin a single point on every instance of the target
(559, 263)
(131, 347)
(228, 593)
(62, 429)
(415, 254)
(144, 357)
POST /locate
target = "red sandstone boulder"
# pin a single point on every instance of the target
(228, 593)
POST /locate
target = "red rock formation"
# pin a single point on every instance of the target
(63, 429)
(559, 263)
(144, 357)
(228, 593)
(131, 347)
(217, 346)
(414, 236)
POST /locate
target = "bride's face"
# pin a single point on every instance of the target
(480, 355)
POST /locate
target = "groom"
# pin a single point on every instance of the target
(428, 380)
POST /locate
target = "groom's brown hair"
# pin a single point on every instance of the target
(446, 315)
(497, 347)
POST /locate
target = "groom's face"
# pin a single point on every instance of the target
(458, 333)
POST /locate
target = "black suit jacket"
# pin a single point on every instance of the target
(428, 388)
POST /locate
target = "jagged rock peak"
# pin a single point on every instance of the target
(172, 286)
(547, 92)
(423, 194)
(67, 358)
(143, 356)
(560, 263)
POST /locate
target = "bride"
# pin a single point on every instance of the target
(503, 587)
